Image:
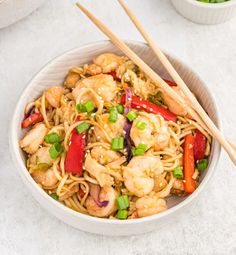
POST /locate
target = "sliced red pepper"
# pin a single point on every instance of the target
(199, 145)
(75, 155)
(141, 104)
(81, 193)
(188, 164)
(113, 74)
(32, 119)
(170, 83)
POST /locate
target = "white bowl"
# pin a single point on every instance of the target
(14, 10)
(54, 73)
(206, 13)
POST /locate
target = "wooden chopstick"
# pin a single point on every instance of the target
(162, 58)
(156, 78)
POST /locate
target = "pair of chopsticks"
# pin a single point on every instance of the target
(193, 107)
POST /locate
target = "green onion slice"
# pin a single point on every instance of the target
(88, 106)
(140, 150)
(43, 166)
(82, 127)
(117, 143)
(54, 196)
(122, 214)
(55, 150)
(122, 202)
(131, 115)
(113, 115)
(178, 172)
(141, 125)
(120, 108)
(202, 164)
(52, 138)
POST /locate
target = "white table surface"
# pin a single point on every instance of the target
(209, 227)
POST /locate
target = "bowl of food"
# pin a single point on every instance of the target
(104, 149)
(13, 10)
(206, 11)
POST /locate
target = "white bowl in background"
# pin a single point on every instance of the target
(206, 13)
(54, 73)
(14, 10)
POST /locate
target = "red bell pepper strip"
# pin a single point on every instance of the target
(199, 145)
(32, 119)
(170, 83)
(141, 104)
(75, 154)
(113, 74)
(188, 164)
(81, 193)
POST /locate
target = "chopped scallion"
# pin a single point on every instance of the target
(52, 138)
(120, 108)
(122, 202)
(140, 150)
(131, 115)
(202, 164)
(54, 196)
(43, 166)
(88, 106)
(117, 143)
(178, 172)
(82, 127)
(113, 115)
(141, 125)
(55, 150)
(122, 214)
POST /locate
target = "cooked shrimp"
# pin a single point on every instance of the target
(150, 205)
(104, 156)
(174, 106)
(34, 138)
(108, 62)
(112, 129)
(159, 182)
(142, 136)
(178, 185)
(46, 178)
(53, 96)
(106, 194)
(93, 69)
(71, 79)
(41, 156)
(155, 134)
(103, 85)
(139, 174)
(98, 171)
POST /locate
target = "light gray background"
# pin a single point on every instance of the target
(209, 227)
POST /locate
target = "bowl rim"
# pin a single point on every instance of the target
(23, 172)
(211, 5)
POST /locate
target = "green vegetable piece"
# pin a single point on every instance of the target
(122, 202)
(120, 108)
(131, 115)
(43, 166)
(88, 106)
(113, 115)
(157, 99)
(55, 150)
(140, 150)
(52, 138)
(178, 172)
(141, 125)
(202, 164)
(82, 127)
(122, 214)
(54, 196)
(117, 143)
